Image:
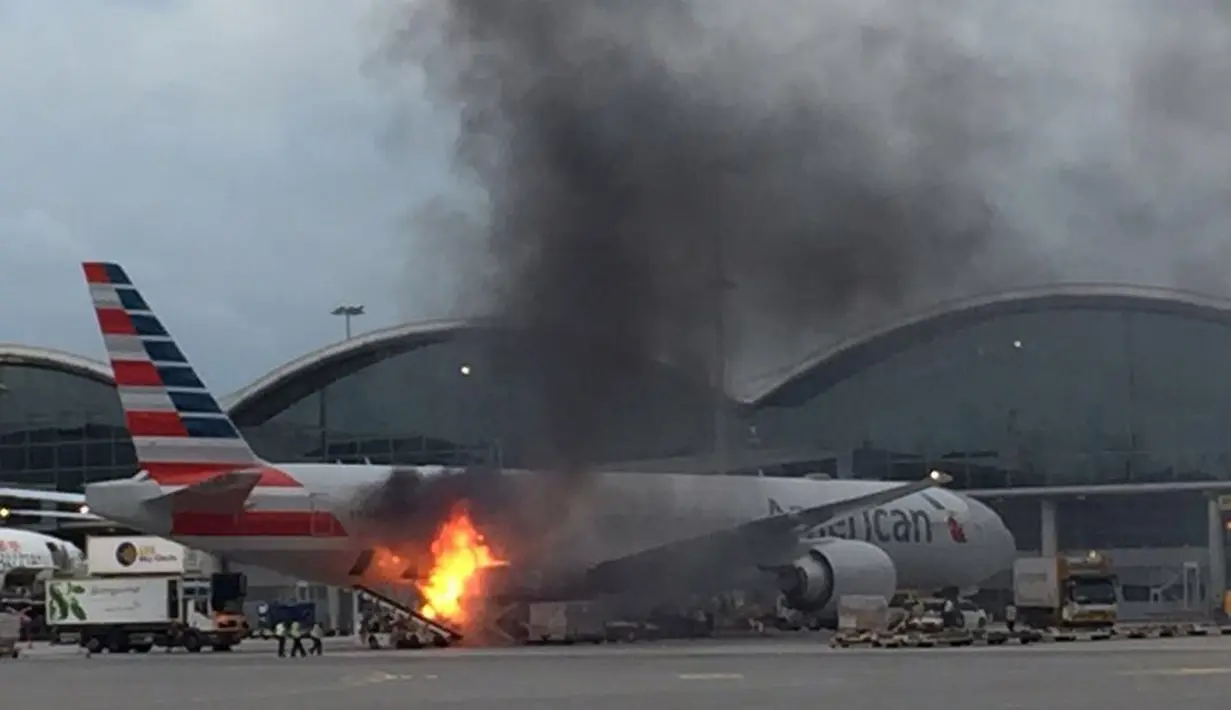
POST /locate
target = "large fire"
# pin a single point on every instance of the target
(459, 554)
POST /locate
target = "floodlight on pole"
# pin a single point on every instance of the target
(721, 286)
(347, 312)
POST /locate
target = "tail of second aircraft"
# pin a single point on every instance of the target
(181, 434)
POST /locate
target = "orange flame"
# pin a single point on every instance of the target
(459, 555)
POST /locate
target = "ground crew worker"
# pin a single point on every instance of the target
(280, 633)
(318, 640)
(1010, 617)
(950, 617)
(297, 640)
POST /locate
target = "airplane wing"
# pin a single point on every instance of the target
(34, 494)
(766, 541)
(62, 514)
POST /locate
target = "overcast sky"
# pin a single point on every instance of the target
(251, 171)
(233, 155)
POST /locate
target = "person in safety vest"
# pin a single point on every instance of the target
(318, 640)
(280, 633)
(297, 648)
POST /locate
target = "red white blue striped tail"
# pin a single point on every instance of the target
(181, 434)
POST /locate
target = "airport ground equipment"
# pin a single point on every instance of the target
(446, 634)
(136, 613)
(565, 622)
(10, 635)
(1066, 592)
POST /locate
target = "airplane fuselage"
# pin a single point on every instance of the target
(936, 538)
(32, 551)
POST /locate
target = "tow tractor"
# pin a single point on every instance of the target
(1066, 592)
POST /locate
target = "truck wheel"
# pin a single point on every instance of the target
(192, 643)
(142, 648)
(117, 641)
(373, 643)
(222, 647)
(93, 644)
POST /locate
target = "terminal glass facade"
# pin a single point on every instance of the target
(1057, 397)
(456, 402)
(60, 430)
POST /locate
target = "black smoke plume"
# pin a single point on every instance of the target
(833, 161)
(634, 158)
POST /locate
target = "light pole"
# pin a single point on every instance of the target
(347, 312)
(719, 383)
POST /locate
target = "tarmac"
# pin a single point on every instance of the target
(797, 672)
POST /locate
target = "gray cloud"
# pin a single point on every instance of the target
(227, 152)
(241, 151)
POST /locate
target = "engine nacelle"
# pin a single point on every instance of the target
(834, 569)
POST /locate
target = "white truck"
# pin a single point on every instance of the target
(1066, 592)
(565, 622)
(136, 613)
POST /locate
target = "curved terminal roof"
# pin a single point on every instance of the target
(852, 355)
(290, 382)
(298, 378)
(31, 356)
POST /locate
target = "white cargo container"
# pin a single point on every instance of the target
(143, 554)
(110, 601)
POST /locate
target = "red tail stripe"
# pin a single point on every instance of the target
(266, 523)
(95, 273)
(114, 321)
(155, 424)
(132, 373)
(186, 474)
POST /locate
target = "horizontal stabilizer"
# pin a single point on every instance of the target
(223, 493)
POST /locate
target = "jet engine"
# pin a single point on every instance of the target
(835, 568)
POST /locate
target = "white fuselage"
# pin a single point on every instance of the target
(33, 551)
(613, 515)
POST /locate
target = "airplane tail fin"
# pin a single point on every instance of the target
(181, 434)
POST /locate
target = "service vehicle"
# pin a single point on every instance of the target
(565, 622)
(122, 614)
(1066, 592)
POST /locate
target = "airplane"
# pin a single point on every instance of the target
(30, 552)
(202, 485)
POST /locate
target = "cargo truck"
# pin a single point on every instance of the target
(122, 614)
(1066, 592)
(565, 622)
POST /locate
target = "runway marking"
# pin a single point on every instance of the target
(1181, 671)
(377, 677)
(710, 676)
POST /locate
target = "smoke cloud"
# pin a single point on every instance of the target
(831, 162)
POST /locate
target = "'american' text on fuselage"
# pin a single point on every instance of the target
(883, 525)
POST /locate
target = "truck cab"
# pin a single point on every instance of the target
(1066, 592)
(1091, 593)
(213, 607)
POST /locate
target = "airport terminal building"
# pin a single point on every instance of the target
(1091, 417)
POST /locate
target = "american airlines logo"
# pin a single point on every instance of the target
(889, 524)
